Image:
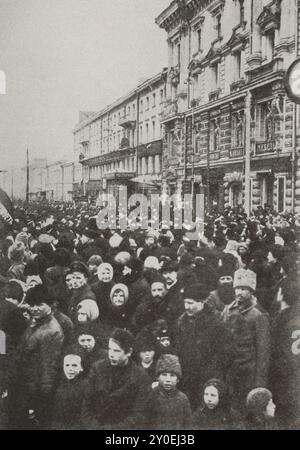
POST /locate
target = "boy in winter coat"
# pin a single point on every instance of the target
(167, 408)
(116, 387)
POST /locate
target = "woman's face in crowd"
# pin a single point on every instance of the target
(105, 276)
(211, 397)
(79, 280)
(87, 342)
(118, 298)
(69, 281)
(147, 356)
(72, 366)
(82, 316)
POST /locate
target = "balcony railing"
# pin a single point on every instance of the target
(170, 108)
(265, 147)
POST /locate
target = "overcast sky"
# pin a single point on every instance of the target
(63, 56)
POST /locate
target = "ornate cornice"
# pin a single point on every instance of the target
(270, 17)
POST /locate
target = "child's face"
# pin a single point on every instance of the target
(270, 410)
(147, 356)
(167, 380)
(87, 342)
(118, 298)
(72, 366)
(211, 397)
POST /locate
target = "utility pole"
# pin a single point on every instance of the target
(27, 176)
(247, 151)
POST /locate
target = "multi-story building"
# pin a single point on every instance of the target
(229, 128)
(59, 181)
(121, 144)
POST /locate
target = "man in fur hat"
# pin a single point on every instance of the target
(250, 339)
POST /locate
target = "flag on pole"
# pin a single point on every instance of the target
(6, 208)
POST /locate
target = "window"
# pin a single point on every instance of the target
(133, 110)
(214, 76)
(147, 132)
(237, 66)
(147, 103)
(128, 110)
(177, 55)
(153, 129)
(161, 94)
(199, 39)
(141, 133)
(214, 138)
(153, 100)
(219, 25)
(242, 11)
(264, 122)
(281, 193)
(141, 106)
(269, 39)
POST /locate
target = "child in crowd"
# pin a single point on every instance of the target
(92, 342)
(146, 354)
(69, 394)
(260, 410)
(215, 412)
(167, 408)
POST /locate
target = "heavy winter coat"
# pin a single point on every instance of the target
(115, 396)
(250, 347)
(167, 410)
(201, 345)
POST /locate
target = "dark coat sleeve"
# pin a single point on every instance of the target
(50, 352)
(263, 350)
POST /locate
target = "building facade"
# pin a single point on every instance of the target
(121, 144)
(229, 129)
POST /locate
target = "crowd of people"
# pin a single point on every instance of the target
(148, 329)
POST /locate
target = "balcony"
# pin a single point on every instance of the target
(170, 109)
(265, 147)
(127, 122)
(214, 95)
(237, 85)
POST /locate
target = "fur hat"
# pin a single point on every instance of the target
(79, 266)
(123, 338)
(145, 341)
(122, 287)
(257, 400)
(168, 363)
(197, 292)
(169, 266)
(95, 260)
(90, 308)
(244, 278)
(37, 295)
(16, 252)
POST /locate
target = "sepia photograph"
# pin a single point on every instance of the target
(150, 217)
